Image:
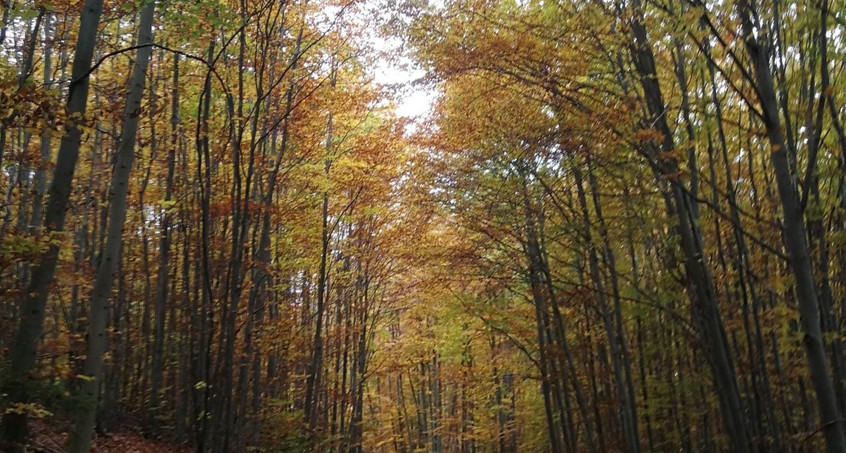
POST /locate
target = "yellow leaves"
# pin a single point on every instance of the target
(838, 239)
(652, 136)
(32, 410)
(168, 206)
(814, 210)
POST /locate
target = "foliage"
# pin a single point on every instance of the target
(587, 245)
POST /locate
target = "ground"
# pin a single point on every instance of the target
(52, 438)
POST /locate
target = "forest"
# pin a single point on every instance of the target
(605, 226)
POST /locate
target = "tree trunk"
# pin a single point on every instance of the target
(164, 258)
(702, 291)
(23, 351)
(110, 261)
(794, 232)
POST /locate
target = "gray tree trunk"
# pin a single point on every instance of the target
(164, 258)
(313, 376)
(701, 285)
(110, 262)
(794, 235)
(40, 183)
(23, 351)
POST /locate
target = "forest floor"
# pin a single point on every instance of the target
(52, 438)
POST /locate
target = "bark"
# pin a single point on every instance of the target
(795, 234)
(315, 366)
(164, 256)
(110, 262)
(613, 334)
(540, 300)
(40, 183)
(701, 286)
(23, 351)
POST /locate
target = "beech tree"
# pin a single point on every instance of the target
(618, 226)
(23, 349)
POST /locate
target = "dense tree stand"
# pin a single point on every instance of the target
(459, 226)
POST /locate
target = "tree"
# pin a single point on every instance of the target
(101, 296)
(23, 350)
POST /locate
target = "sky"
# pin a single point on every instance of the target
(399, 72)
(414, 101)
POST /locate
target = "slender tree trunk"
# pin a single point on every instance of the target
(40, 183)
(23, 351)
(794, 234)
(613, 335)
(110, 262)
(702, 291)
(313, 375)
(164, 257)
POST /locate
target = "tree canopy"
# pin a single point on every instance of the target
(615, 227)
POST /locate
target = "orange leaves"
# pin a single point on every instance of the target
(649, 136)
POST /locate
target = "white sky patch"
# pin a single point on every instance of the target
(396, 71)
(417, 104)
(390, 67)
(413, 100)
